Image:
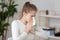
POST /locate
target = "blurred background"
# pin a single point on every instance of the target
(11, 9)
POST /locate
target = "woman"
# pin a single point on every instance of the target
(22, 28)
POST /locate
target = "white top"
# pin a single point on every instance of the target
(18, 33)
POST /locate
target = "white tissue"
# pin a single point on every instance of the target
(34, 21)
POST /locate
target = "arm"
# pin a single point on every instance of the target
(40, 33)
(15, 33)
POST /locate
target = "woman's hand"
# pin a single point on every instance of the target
(32, 31)
(29, 25)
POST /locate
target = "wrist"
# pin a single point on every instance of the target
(26, 31)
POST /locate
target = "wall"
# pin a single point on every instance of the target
(57, 6)
(53, 7)
(44, 4)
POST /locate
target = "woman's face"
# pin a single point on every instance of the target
(29, 16)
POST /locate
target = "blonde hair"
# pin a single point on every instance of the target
(28, 8)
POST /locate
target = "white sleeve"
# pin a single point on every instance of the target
(15, 33)
(41, 34)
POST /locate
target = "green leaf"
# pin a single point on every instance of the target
(13, 2)
(5, 24)
(15, 5)
(1, 3)
(4, 14)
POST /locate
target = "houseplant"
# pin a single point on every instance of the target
(6, 11)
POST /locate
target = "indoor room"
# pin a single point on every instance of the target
(29, 19)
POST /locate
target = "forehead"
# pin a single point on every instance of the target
(32, 13)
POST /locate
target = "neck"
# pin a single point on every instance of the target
(23, 20)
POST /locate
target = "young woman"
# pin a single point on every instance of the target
(22, 28)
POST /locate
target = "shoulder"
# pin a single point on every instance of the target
(14, 26)
(14, 22)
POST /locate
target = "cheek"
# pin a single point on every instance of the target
(27, 17)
